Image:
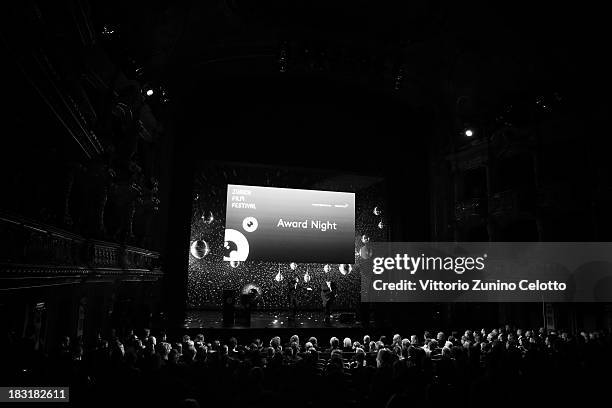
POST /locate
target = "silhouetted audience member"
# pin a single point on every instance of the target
(469, 369)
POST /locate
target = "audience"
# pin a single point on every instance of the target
(503, 366)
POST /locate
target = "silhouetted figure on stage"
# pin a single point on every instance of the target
(255, 299)
(292, 292)
(329, 291)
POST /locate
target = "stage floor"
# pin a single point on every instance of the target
(207, 319)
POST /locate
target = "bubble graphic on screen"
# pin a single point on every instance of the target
(345, 269)
(377, 211)
(199, 249)
(365, 238)
(234, 264)
(293, 266)
(236, 246)
(365, 252)
(208, 217)
(249, 287)
(381, 225)
(209, 276)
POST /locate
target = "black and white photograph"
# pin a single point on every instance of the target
(265, 204)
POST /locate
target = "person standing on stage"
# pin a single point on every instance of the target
(292, 293)
(328, 295)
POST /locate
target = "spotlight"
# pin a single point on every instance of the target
(163, 95)
(139, 71)
(469, 132)
(109, 31)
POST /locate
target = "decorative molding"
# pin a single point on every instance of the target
(40, 255)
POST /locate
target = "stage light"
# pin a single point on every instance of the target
(365, 252)
(199, 249)
(469, 132)
(150, 92)
(109, 30)
(163, 98)
(345, 269)
(139, 71)
(282, 60)
(208, 217)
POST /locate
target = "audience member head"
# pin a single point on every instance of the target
(178, 347)
(384, 358)
(256, 377)
(224, 350)
(295, 348)
(334, 343)
(201, 353)
(189, 403)
(347, 343)
(360, 356)
(275, 342)
(366, 339)
(189, 354)
(173, 356)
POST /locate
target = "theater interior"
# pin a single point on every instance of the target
(124, 122)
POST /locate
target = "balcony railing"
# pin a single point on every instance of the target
(34, 252)
(469, 209)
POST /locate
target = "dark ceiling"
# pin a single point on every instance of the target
(410, 68)
(461, 61)
(491, 47)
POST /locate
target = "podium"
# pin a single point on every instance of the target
(243, 315)
(229, 302)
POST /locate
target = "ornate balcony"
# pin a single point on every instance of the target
(35, 255)
(470, 210)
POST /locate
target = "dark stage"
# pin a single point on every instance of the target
(179, 177)
(208, 319)
(265, 324)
